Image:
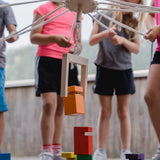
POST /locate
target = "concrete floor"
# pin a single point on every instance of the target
(35, 158)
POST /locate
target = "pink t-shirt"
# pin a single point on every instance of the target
(157, 4)
(62, 25)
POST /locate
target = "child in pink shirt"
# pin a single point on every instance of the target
(52, 40)
(153, 86)
(60, 26)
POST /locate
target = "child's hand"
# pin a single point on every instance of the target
(110, 33)
(62, 41)
(152, 33)
(10, 40)
(116, 40)
(71, 50)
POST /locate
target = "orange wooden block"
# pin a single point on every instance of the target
(74, 102)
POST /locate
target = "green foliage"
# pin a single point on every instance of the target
(20, 62)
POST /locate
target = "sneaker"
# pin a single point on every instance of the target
(46, 155)
(57, 156)
(157, 155)
(99, 155)
(123, 154)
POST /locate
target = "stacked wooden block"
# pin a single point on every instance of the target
(69, 156)
(74, 102)
(135, 156)
(83, 146)
(5, 156)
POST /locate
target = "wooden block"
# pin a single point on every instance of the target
(74, 102)
(137, 156)
(69, 155)
(84, 157)
(75, 89)
(82, 142)
(70, 58)
(5, 156)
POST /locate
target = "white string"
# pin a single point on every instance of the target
(116, 10)
(73, 26)
(120, 24)
(38, 20)
(14, 4)
(100, 23)
(114, 4)
(128, 8)
(33, 28)
(135, 5)
(28, 2)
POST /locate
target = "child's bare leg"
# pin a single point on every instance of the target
(103, 127)
(47, 118)
(125, 124)
(153, 101)
(103, 121)
(57, 148)
(58, 121)
(124, 118)
(152, 96)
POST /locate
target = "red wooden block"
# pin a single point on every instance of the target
(82, 143)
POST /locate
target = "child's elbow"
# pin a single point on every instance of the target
(32, 39)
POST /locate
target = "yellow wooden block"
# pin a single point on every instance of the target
(69, 155)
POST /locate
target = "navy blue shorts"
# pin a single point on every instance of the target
(48, 75)
(109, 81)
(3, 102)
(156, 58)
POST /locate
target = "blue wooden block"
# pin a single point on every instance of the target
(5, 156)
(135, 156)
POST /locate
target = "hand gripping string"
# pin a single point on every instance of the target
(120, 24)
(33, 28)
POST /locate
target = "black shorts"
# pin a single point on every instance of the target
(48, 75)
(156, 58)
(109, 80)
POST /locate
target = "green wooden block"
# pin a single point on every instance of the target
(84, 157)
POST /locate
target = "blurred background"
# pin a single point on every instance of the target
(20, 55)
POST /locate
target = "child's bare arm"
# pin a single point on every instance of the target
(131, 46)
(11, 29)
(150, 20)
(97, 37)
(42, 39)
(153, 31)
